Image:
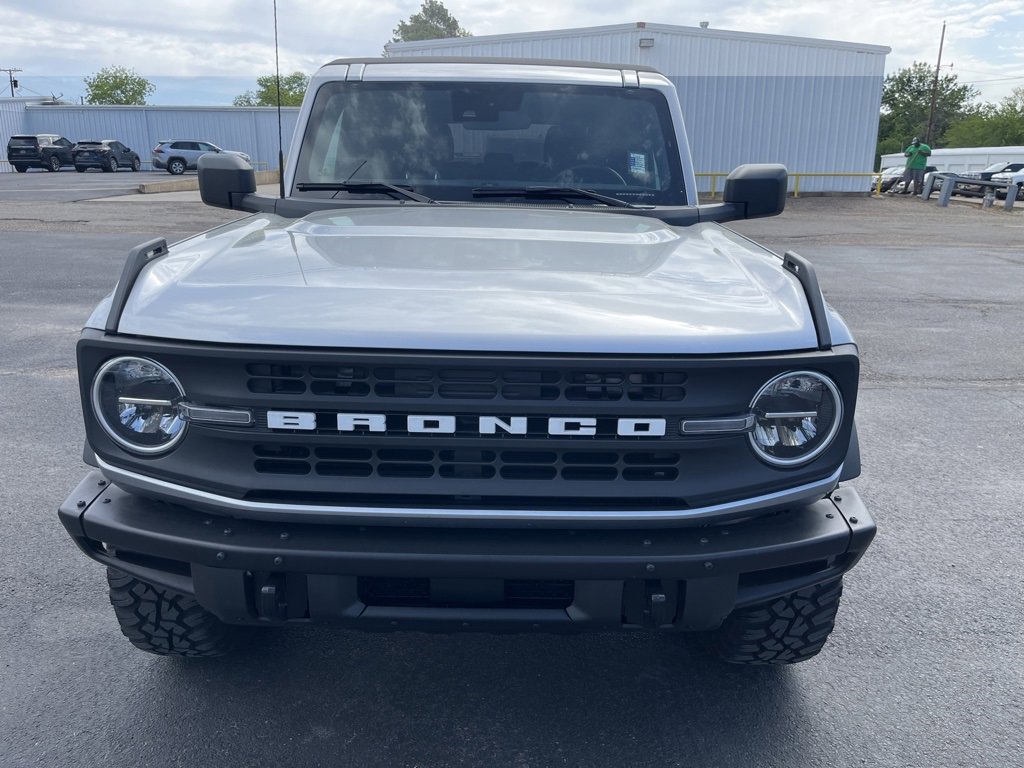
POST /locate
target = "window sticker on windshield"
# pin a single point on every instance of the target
(637, 162)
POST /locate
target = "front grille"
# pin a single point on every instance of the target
(466, 463)
(508, 384)
(529, 463)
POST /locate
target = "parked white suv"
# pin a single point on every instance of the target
(176, 157)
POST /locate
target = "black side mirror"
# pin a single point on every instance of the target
(224, 179)
(759, 187)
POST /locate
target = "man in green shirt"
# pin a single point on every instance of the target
(917, 160)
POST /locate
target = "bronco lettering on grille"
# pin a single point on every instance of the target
(486, 425)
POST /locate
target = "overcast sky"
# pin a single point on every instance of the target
(227, 43)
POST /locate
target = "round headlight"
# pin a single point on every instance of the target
(797, 416)
(138, 403)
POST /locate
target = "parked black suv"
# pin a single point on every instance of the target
(41, 150)
(108, 155)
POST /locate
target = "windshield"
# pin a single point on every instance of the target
(447, 139)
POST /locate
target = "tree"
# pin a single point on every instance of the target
(906, 102)
(293, 88)
(993, 126)
(117, 85)
(431, 23)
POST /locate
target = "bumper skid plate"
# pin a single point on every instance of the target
(494, 579)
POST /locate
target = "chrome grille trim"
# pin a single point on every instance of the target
(134, 482)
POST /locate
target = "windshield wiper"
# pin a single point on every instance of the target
(545, 191)
(399, 193)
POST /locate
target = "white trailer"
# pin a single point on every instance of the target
(964, 159)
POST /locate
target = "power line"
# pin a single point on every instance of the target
(977, 71)
(994, 80)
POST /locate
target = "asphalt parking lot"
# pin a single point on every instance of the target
(67, 185)
(924, 669)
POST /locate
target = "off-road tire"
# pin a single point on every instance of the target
(166, 623)
(53, 164)
(788, 630)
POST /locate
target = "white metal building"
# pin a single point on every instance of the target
(252, 130)
(812, 105)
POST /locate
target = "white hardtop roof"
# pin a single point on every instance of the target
(489, 69)
(640, 26)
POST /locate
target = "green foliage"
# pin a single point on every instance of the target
(906, 101)
(887, 147)
(997, 125)
(293, 88)
(433, 22)
(117, 85)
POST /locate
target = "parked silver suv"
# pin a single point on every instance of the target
(176, 157)
(500, 370)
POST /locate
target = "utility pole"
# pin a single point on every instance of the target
(10, 75)
(935, 89)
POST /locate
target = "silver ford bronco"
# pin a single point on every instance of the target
(485, 364)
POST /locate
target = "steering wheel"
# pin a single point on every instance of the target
(593, 174)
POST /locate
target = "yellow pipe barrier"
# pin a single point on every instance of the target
(795, 176)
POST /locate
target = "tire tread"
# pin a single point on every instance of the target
(163, 622)
(787, 630)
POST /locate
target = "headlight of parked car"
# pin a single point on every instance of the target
(138, 403)
(798, 415)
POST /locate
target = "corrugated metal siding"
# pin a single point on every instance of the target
(810, 104)
(250, 130)
(12, 121)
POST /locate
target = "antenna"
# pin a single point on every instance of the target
(280, 140)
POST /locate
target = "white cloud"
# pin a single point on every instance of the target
(235, 37)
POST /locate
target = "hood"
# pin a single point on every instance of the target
(463, 278)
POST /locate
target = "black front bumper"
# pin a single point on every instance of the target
(385, 578)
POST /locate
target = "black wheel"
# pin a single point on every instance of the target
(176, 166)
(80, 168)
(159, 621)
(21, 168)
(136, 164)
(788, 630)
(53, 164)
(111, 165)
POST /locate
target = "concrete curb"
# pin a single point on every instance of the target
(192, 183)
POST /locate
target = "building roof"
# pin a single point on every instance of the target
(667, 29)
